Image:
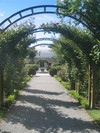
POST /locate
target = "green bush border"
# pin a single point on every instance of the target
(81, 100)
(11, 98)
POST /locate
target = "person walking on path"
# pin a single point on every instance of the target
(45, 107)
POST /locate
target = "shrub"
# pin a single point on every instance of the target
(28, 78)
(16, 92)
(10, 100)
(81, 100)
(58, 68)
(58, 78)
(24, 83)
(62, 73)
(31, 69)
(52, 71)
(84, 103)
(65, 84)
(48, 67)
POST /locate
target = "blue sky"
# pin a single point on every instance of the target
(8, 7)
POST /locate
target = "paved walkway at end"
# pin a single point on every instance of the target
(45, 107)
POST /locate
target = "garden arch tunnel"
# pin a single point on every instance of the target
(68, 47)
(53, 9)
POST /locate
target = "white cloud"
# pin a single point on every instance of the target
(45, 18)
(2, 14)
(46, 35)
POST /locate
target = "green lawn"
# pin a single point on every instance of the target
(95, 114)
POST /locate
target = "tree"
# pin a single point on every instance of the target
(86, 12)
(31, 54)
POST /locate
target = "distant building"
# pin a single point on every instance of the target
(44, 58)
(45, 53)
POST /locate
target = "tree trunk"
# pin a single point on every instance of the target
(96, 86)
(89, 86)
(93, 84)
(1, 88)
(77, 88)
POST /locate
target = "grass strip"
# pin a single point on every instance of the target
(95, 115)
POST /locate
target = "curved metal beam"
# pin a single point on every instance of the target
(45, 39)
(36, 45)
(43, 29)
(33, 11)
(30, 11)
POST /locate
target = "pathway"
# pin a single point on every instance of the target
(45, 107)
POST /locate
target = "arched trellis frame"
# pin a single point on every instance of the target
(69, 49)
(60, 30)
(53, 9)
(43, 39)
(40, 44)
(33, 11)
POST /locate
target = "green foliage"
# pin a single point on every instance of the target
(62, 73)
(95, 53)
(16, 92)
(2, 114)
(28, 78)
(31, 69)
(58, 78)
(31, 54)
(81, 100)
(48, 67)
(65, 84)
(81, 11)
(24, 83)
(11, 98)
(13, 50)
(53, 71)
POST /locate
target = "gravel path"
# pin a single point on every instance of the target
(45, 107)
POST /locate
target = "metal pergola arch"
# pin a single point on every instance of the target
(43, 39)
(32, 11)
(40, 44)
(49, 44)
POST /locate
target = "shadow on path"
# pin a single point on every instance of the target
(40, 114)
(37, 91)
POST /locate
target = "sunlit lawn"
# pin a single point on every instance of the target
(95, 114)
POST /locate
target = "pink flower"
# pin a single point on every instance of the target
(33, 26)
